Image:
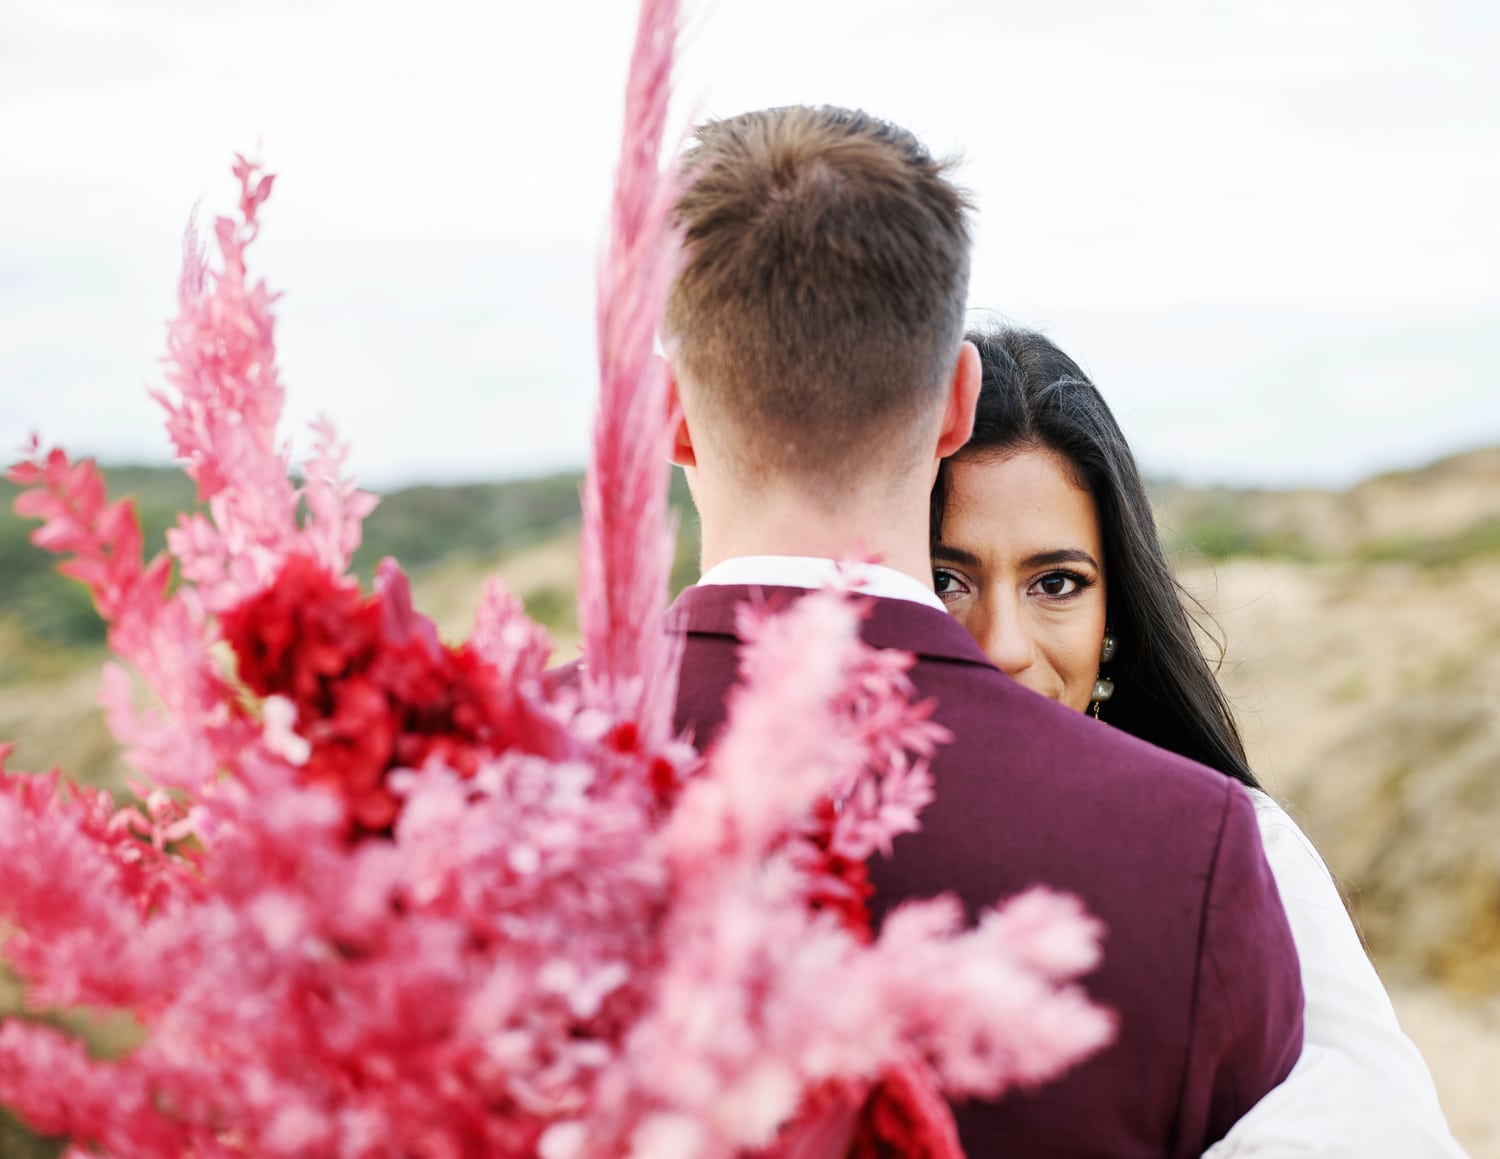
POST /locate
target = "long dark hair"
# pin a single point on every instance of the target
(1034, 395)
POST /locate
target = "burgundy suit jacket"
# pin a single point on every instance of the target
(1198, 960)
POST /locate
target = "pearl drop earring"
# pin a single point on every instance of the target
(1104, 687)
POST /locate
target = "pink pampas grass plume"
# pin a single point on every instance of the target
(626, 546)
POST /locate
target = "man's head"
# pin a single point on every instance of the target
(817, 322)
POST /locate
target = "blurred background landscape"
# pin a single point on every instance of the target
(1266, 230)
(1361, 633)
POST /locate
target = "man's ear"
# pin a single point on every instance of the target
(681, 452)
(963, 396)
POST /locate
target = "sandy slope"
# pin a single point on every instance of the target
(1461, 1041)
(1368, 700)
(1369, 697)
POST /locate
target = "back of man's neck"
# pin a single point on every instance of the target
(886, 541)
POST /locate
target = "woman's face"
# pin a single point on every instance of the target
(1021, 564)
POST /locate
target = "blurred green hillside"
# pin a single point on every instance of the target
(1439, 515)
(424, 527)
(1401, 517)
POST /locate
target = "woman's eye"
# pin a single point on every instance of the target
(1058, 583)
(945, 583)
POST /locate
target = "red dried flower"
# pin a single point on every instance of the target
(302, 633)
(372, 687)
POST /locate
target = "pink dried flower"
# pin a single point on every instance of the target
(389, 896)
(222, 415)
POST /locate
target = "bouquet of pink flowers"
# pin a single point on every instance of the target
(383, 895)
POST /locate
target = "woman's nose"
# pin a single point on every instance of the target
(1007, 641)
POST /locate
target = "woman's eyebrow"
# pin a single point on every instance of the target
(1060, 555)
(954, 555)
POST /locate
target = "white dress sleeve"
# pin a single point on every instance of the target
(1361, 1087)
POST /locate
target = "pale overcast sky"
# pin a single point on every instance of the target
(1267, 227)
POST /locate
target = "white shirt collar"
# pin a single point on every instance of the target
(807, 571)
